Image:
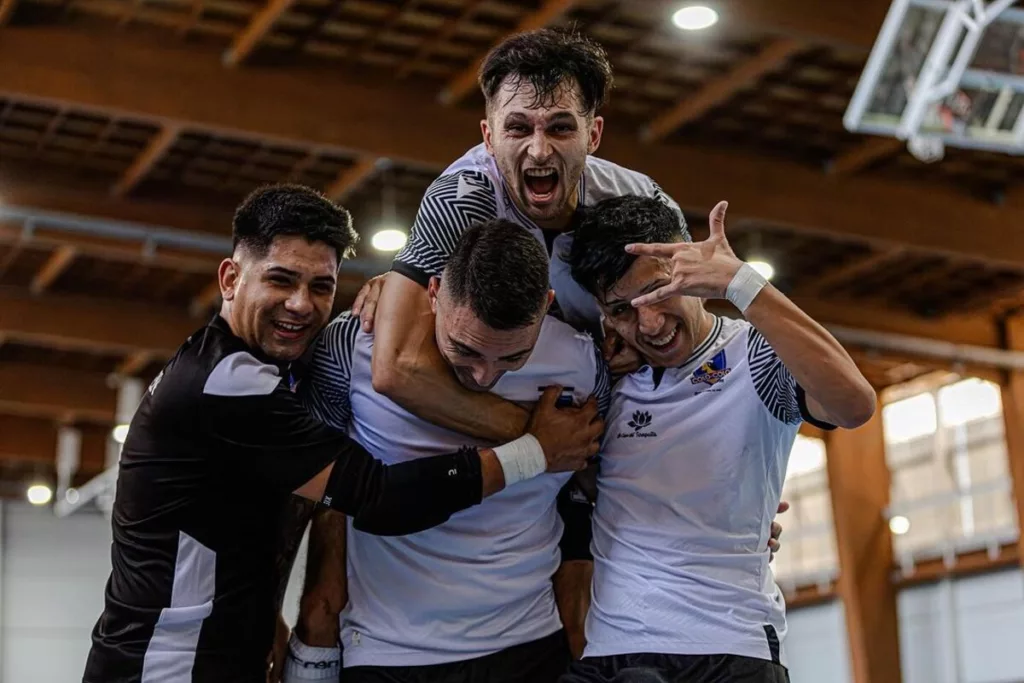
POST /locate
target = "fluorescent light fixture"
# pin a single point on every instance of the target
(39, 494)
(695, 18)
(388, 240)
(763, 268)
(899, 525)
(120, 433)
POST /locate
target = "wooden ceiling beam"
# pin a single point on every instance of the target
(93, 324)
(204, 300)
(55, 265)
(147, 159)
(349, 180)
(58, 393)
(851, 270)
(459, 86)
(7, 8)
(720, 90)
(259, 26)
(108, 249)
(29, 439)
(363, 116)
(863, 155)
(134, 363)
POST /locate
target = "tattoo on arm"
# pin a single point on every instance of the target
(296, 515)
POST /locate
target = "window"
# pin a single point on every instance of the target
(950, 476)
(808, 554)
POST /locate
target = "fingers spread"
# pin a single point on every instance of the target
(654, 297)
(641, 249)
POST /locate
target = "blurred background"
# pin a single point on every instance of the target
(869, 151)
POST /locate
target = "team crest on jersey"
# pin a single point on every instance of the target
(640, 422)
(713, 371)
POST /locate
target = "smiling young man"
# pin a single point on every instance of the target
(493, 594)
(220, 442)
(696, 448)
(535, 168)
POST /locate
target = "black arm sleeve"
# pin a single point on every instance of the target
(576, 508)
(393, 500)
(272, 438)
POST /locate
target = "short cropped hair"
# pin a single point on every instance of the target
(285, 210)
(547, 59)
(598, 257)
(501, 271)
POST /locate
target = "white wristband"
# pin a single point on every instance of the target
(744, 287)
(306, 663)
(521, 459)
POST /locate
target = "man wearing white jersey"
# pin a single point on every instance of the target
(543, 90)
(695, 451)
(478, 598)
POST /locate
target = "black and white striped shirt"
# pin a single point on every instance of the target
(471, 190)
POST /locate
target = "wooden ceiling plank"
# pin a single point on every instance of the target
(851, 270)
(446, 31)
(863, 155)
(459, 86)
(134, 363)
(1013, 420)
(93, 324)
(349, 180)
(7, 8)
(146, 160)
(259, 26)
(55, 265)
(203, 301)
(47, 391)
(721, 89)
(363, 117)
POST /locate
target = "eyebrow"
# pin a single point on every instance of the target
(555, 118)
(472, 352)
(649, 288)
(281, 270)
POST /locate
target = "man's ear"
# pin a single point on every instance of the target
(549, 300)
(433, 288)
(228, 274)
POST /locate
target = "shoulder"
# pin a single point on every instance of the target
(473, 177)
(561, 345)
(331, 355)
(605, 179)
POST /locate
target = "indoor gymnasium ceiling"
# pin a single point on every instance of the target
(116, 114)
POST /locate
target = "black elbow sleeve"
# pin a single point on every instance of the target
(394, 500)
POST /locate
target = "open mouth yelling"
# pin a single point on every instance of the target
(289, 331)
(541, 184)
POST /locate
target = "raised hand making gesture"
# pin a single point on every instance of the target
(699, 269)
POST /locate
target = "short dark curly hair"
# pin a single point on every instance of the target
(500, 271)
(547, 59)
(598, 257)
(272, 211)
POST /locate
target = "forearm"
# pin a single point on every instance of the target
(393, 500)
(572, 595)
(325, 590)
(408, 369)
(296, 517)
(818, 362)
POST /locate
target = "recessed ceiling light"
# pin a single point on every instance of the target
(695, 17)
(388, 240)
(39, 494)
(899, 525)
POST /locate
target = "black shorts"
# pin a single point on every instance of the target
(539, 661)
(655, 668)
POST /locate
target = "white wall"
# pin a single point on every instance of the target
(52, 575)
(53, 571)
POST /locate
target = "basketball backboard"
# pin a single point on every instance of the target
(945, 73)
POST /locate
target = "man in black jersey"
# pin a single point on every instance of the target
(220, 443)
